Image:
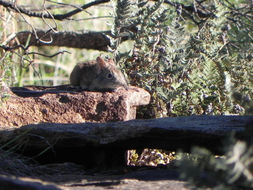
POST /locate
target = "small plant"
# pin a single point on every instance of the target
(7, 75)
(234, 171)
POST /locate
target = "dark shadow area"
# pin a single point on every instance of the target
(16, 184)
(97, 174)
(88, 154)
(96, 165)
(37, 91)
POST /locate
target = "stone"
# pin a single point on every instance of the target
(12, 183)
(105, 144)
(64, 104)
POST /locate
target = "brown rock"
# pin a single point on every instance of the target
(63, 104)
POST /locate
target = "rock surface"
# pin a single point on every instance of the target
(8, 183)
(63, 104)
(148, 179)
(105, 144)
(21, 173)
(166, 133)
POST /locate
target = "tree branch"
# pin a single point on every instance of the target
(18, 9)
(50, 56)
(87, 40)
(191, 9)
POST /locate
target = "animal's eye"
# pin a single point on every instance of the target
(109, 76)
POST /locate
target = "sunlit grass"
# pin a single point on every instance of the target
(53, 71)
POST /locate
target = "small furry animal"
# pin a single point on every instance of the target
(98, 75)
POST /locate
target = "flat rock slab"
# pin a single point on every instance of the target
(64, 104)
(105, 144)
(167, 133)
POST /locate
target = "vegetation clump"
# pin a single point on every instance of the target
(190, 61)
(233, 171)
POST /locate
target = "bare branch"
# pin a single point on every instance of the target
(18, 9)
(63, 4)
(50, 56)
(87, 40)
(10, 48)
(191, 9)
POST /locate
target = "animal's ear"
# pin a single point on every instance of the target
(101, 64)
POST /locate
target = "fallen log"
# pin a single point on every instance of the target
(93, 143)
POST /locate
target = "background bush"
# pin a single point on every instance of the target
(191, 62)
(192, 56)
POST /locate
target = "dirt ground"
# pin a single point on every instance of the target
(71, 176)
(148, 179)
(141, 178)
(23, 173)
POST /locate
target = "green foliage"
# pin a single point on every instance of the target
(190, 64)
(192, 56)
(143, 69)
(7, 74)
(122, 12)
(234, 171)
(6, 69)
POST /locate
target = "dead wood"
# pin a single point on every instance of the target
(86, 39)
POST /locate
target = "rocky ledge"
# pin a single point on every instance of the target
(64, 104)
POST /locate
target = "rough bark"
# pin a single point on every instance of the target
(87, 40)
